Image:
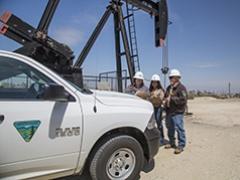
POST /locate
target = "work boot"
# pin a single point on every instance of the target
(169, 146)
(178, 150)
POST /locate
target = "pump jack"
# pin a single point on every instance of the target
(59, 57)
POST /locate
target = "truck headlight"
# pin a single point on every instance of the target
(152, 123)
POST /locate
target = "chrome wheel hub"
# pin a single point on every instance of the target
(121, 164)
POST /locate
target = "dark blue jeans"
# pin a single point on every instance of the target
(158, 117)
(175, 123)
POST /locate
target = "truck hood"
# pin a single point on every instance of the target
(110, 98)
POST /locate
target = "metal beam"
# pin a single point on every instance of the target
(16, 29)
(148, 6)
(21, 32)
(93, 37)
(118, 51)
(125, 43)
(47, 15)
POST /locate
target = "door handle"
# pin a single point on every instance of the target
(1, 118)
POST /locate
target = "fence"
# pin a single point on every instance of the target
(104, 81)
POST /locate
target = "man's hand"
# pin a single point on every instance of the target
(131, 87)
(166, 101)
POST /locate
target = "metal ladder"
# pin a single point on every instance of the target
(132, 37)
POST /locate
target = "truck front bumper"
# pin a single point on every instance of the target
(153, 141)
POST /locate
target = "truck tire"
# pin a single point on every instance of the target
(119, 158)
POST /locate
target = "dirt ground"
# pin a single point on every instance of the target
(213, 144)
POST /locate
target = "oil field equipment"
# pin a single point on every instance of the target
(59, 57)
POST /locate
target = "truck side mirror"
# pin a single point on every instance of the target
(56, 92)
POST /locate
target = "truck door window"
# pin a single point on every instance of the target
(19, 80)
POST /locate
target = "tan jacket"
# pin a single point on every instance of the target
(156, 97)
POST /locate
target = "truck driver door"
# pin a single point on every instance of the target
(36, 135)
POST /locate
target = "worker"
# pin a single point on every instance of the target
(156, 98)
(175, 103)
(138, 88)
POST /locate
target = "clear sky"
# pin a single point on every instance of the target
(204, 40)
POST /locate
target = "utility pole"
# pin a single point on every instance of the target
(229, 89)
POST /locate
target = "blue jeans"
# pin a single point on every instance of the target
(175, 123)
(158, 117)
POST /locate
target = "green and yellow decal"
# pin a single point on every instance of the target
(27, 128)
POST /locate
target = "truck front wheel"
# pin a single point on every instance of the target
(119, 158)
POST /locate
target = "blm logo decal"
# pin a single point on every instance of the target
(27, 128)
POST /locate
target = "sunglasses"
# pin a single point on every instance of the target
(174, 77)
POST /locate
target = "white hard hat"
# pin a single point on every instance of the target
(155, 77)
(175, 72)
(139, 75)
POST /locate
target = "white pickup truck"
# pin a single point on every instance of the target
(51, 128)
